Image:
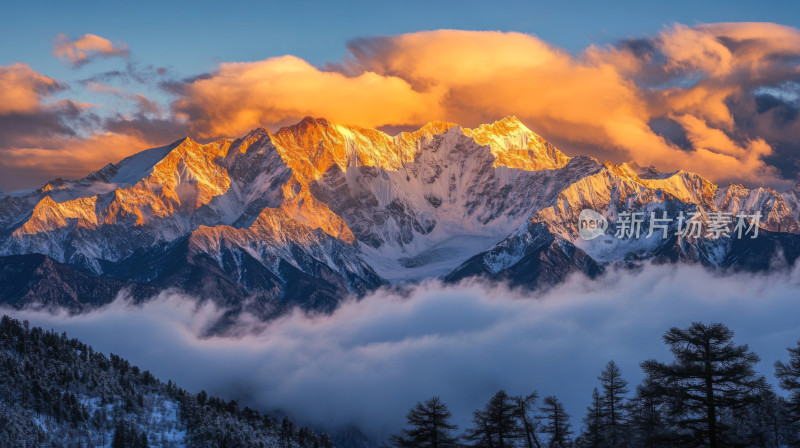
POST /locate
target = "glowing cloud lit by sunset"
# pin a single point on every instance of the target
(712, 98)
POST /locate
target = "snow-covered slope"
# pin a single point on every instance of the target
(792, 200)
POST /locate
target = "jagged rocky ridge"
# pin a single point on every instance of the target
(318, 211)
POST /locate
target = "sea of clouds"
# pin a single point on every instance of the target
(371, 360)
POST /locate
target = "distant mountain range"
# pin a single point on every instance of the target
(317, 211)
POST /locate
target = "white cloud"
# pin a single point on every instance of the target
(373, 359)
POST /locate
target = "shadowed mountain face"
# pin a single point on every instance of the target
(37, 280)
(318, 211)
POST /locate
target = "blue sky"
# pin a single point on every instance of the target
(192, 37)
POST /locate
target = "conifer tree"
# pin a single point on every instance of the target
(593, 421)
(496, 425)
(788, 375)
(709, 375)
(525, 405)
(286, 432)
(648, 416)
(325, 441)
(613, 405)
(557, 422)
(428, 426)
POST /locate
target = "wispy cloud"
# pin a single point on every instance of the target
(83, 50)
(371, 360)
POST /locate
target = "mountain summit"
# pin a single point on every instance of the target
(316, 211)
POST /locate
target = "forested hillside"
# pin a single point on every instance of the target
(59, 392)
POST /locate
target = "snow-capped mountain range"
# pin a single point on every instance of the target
(317, 210)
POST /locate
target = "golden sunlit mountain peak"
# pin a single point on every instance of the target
(516, 146)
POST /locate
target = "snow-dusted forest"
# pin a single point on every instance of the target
(58, 392)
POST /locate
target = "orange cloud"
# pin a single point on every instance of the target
(593, 99)
(74, 157)
(80, 51)
(22, 90)
(695, 48)
(721, 49)
(605, 100)
(708, 101)
(41, 139)
(452, 57)
(68, 158)
(463, 76)
(241, 96)
(27, 109)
